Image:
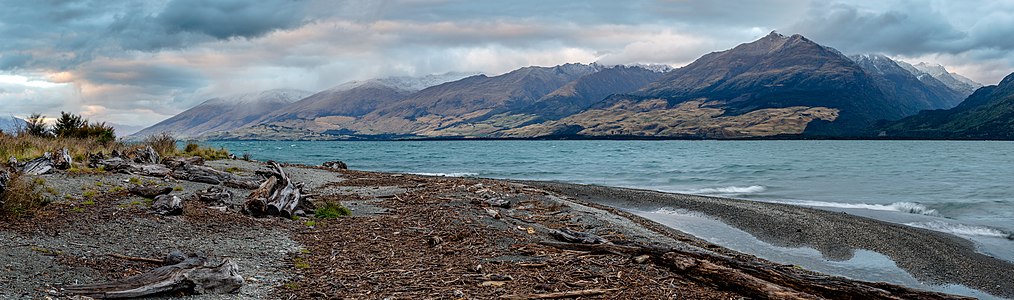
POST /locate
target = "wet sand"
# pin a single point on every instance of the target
(930, 256)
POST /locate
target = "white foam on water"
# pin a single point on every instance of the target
(962, 229)
(728, 190)
(905, 207)
(452, 174)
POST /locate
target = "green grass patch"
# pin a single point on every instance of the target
(332, 209)
(89, 194)
(310, 223)
(178, 188)
(134, 180)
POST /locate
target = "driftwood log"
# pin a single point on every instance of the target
(196, 274)
(757, 279)
(39, 166)
(276, 196)
(209, 175)
(149, 191)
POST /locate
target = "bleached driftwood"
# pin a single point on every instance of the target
(62, 159)
(146, 155)
(215, 195)
(276, 196)
(196, 274)
(39, 166)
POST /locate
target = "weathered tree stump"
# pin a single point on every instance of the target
(196, 274)
(336, 165)
(276, 196)
(168, 205)
(62, 159)
(146, 155)
(39, 166)
(149, 191)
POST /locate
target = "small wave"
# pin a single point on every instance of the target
(729, 190)
(962, 229)
(905, 207)
(453, 174)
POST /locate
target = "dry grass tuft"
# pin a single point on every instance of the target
(27, 147)
(22, 197)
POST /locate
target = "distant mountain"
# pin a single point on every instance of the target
(953, 80)
(431, 111)
(777, 85)
(224, 113)
(986, 114)
(10, 124)
(926, 91)
(577, 95)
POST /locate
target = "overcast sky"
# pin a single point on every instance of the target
(138, 62)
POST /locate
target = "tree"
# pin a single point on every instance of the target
(69, 125)
(36, 126)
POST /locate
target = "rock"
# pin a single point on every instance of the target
(168, 205)
(146, 155)
(39, 166)
(62, 160)
(336, 165)
(150, 191)
(175, 256)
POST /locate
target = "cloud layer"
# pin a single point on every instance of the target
(137, 62)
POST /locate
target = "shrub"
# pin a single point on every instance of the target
(332, 209)
(74, 126)
(36, 126)
(21, 197)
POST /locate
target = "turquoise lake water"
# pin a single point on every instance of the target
(966, 186)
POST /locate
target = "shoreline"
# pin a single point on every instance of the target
(417, 218)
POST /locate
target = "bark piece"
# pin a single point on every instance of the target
(39, 166)
(150, 191)
(197, 274)
(168, 205)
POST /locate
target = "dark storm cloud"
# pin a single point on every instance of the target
(231, 18)
(137, 61)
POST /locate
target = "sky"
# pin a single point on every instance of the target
(135, 63)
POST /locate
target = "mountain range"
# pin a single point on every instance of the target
(986, 114)
(777, 86)
(11, 124)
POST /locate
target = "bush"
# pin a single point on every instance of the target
(331, 210)
(36, 126)
(21, 197)
(74, 126)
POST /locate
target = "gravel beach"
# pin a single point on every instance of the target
(413, 236)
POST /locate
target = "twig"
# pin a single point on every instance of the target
(558, 295)
(135, 258)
